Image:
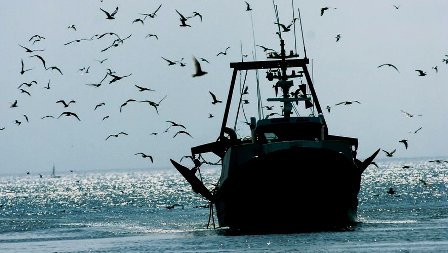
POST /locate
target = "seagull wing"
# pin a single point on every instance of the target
(182, 17)
(213, 96)
(107, 13)
(115, 12)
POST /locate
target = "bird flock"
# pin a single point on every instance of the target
(383, 67)
(33, 61)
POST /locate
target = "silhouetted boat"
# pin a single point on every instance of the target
(291, 174)
(53, 172)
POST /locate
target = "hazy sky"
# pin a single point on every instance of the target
(372, 33)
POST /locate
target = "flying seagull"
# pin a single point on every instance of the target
(265, 49)
(140, 88)
(68, 114)
(152, 35)
(421, 72)
(103, 60)
(170, 62)
(28, 84)
(23, 70)
(116, 135)
(348, 102)
(98, 105)
(284, 27)
(405, 143)
(110, 15)
(409, 114)
(48, 85)
(418, 129)
(36, 36)
(154, 104)
(30, 50)
(389, 154)
(55, 68)
(41, 59)
(145, 156)
(24, 91)
(196, 14)
(182, 132)
(338, 37)
(65, 103)
(248, 8)
(183, 20)
(125, 103)
(322, 10)
(215, 100)
(151, 15)
(14, 104)
(198, 70)
(390, 65)
(174, 124)
(138, 20)
(223, 52)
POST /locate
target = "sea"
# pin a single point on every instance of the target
(403, 207)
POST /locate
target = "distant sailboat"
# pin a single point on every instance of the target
(53, 173)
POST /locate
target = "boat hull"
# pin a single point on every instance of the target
(299, 188)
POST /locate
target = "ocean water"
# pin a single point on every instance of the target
(126, 211)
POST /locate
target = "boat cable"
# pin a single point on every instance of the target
(240, 104)
(294, 21)
(279, 33)
(242, 87)
(301, 29)
(211, 215)
(296, 110)
(257, 76)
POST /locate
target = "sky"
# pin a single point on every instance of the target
(410, 35)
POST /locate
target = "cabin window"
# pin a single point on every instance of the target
(270, 137)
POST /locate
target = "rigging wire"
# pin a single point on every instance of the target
(211, 215)
(277, 18)
(257, 76)
(240, 105)
(294, 20)
(301, 29)
(241, 89)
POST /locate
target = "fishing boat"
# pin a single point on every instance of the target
(290, 174)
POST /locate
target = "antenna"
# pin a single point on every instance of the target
(301, 29)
